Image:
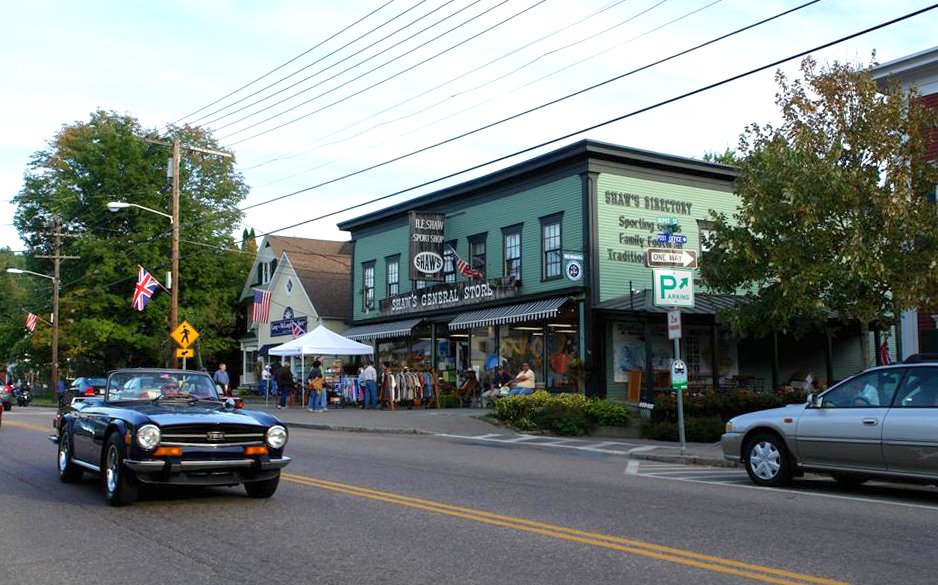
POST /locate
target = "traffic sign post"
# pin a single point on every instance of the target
(679, 384)
(670, 258)
(674, 324)
(673, 288)
(185, 335)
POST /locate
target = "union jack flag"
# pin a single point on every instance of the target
(464, 268)
(260, 312)
(297, 330)
(884, 356)
(31, 320)
(146, 286)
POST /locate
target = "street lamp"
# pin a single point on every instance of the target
(55, 322)
(115, 206)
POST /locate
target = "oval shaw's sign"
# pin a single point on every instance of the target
(428, 262)
(426, 245)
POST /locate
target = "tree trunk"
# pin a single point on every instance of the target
(865, 344)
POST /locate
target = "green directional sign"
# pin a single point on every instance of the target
(673, 288)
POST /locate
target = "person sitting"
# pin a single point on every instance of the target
(524, 382)
(501, 381)
(469, 387)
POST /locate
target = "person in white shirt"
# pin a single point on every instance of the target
(370, 378)
(525, 380)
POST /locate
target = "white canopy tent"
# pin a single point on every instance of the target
(320, 341)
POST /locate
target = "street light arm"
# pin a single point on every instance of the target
(21, 271)
(118, 205)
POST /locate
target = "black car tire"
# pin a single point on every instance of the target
(68, 471)
(850, 479)
(262, 489)
(767, 460)
(118, 482)
(8, 406)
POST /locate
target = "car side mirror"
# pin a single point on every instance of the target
(814, 400)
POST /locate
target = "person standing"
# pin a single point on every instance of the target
(265, 380)
(370, 378)
(316, 385)
(221, 378)
(284, 379)
(524, 381)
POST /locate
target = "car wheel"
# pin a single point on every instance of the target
(68, 471)
(767, 461)
(850, 479)
(120, 485)
(8, 406)
(262, 489)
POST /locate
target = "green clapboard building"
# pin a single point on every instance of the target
(546, 263)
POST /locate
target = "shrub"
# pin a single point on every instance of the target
(696, 430)
(608, 414)
(564, 414)
(449, 401)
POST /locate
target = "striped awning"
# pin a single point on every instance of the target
(382, 330)
(531, 311)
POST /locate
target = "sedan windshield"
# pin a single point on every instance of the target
(154, 385)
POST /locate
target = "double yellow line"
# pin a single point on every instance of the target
(636, 547)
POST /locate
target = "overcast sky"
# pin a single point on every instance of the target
(409, 75)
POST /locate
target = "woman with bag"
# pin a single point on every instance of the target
(316, 385)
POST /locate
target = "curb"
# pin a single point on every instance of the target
(687, 460)
(346, 429)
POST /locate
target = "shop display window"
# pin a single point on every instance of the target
(523, 343)
(482, 357)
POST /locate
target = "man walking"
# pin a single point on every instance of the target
(370, 377)
(221, 378)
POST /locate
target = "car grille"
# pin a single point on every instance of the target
(212, 435)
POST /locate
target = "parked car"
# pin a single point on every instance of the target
(85, 386)
(881, 423)
(162, 426)
(6, 396)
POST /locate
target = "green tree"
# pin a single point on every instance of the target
(111, 157)
(834, 217)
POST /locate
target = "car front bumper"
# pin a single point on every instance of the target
(205, 472)
(732, 446)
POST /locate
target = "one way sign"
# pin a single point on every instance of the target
(670, 258)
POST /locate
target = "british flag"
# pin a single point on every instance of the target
(297, 330)
(31, 320)
(464, 268)
(146, 286)
(884, 356)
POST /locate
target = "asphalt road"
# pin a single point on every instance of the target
(371, 508)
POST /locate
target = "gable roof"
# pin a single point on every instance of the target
(324, 268)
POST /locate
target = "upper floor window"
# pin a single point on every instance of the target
(512, 249)
(706, 231)
(394, 274)
(552, 247)
(264, 271)
(368, 286)
(477, 252)
(449, 261)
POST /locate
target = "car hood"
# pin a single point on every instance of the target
(173, 414)
(770, 415)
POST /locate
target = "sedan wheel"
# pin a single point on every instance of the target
(68, 471)
(120, 485)
(767, 461)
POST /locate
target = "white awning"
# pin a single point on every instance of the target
(382, 330)
(531, 311)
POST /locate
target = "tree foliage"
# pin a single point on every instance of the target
(835, 217)
(111, 157)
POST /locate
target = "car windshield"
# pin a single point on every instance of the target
(160, 385)
(95, 382)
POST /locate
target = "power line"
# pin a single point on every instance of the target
(274, 70)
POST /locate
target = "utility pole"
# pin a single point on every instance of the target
(174, 291)
(56, 280)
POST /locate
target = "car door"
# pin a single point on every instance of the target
(845, 429)
(910, 431)
(83, 435)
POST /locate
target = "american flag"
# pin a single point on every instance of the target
(146, 286)
(464, 268)
(297, 330)
(260, 313)
(31, 320)
(884, 356)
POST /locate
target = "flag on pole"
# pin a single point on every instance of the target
(464, 268)
(31, 320)
(297, 330)
(884, 356)
(146, 286)
(260, 313)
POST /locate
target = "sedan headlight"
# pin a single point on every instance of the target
(276, 437)
(148, 436)
(729, 426)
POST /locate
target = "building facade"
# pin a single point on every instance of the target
(309, 285)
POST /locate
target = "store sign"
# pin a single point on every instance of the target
(285, 327)
(573, 266)
(444, 296)
(426, 245)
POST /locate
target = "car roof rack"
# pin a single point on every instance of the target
(919, 358)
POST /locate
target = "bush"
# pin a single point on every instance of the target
(449, 401)
(724, 406)
(563, 414)
(696, 430)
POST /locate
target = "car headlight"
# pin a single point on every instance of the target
(729, 426)
(148, 436)
(276, 437)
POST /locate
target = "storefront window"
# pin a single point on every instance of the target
(562, 357)
(483, 358)
(452, 353)
(394, 351)
(523, 343)
(420, 348)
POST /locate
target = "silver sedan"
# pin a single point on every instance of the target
(882, 423)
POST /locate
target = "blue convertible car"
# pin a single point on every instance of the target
(156, 426)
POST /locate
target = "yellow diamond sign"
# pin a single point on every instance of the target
(185, 335)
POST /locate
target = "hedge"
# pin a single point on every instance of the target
(563, 414)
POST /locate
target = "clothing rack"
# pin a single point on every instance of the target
(410, 387)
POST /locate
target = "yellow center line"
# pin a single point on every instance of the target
(674, 555)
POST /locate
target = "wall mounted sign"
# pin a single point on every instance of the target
(426, 245)
(443, 296)
(285, 327)
(573, 266)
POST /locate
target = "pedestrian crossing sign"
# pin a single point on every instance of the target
(185, 335)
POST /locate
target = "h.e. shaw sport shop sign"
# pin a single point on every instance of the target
(444, 296)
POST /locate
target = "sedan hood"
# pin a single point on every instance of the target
(793, 410)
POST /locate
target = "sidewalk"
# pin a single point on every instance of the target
(468, 422)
